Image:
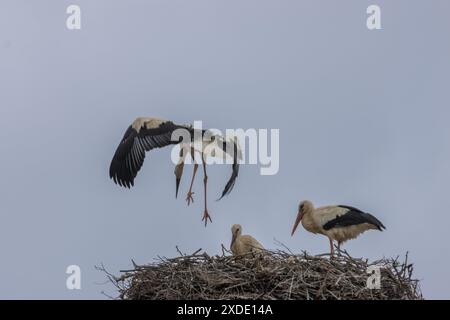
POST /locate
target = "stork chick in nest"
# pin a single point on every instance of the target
(243, 244)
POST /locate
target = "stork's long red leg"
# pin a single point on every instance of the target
(205, 182)
(189, 197)
(331, 248)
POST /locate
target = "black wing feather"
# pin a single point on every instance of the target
(353, 217)
(235, 170)
(130, 154)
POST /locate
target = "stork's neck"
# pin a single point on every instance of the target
(235, 243)
(308, 221)
(235, 238)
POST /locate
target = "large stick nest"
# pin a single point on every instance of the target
(270, 275)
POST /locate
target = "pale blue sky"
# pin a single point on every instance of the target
(363, 118)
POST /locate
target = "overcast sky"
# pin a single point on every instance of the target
(363, 118)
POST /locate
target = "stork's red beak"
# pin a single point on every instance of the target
(297, 221)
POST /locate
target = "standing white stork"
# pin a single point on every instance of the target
(339, 223)
(243, 244)
(145, 134)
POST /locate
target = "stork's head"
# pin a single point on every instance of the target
(236, 231)
(303, 208)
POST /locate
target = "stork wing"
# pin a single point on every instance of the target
(353, 216)
(139, 138)
(237, 155)
(251, 242)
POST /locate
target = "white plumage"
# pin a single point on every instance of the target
(339, 223)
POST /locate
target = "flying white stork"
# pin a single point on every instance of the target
(339, 223)
(243, 244)
(145, 134)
